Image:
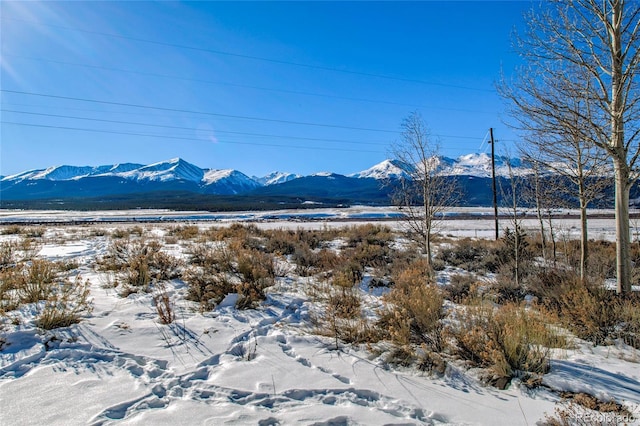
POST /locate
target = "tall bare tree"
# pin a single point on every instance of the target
(543, 192)
(581, 87)
(557, 143)
(425, 192)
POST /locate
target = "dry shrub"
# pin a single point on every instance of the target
(236, 231)
(508, 340)
(283, 242)
(35, 280)
(503, 289)
(127, 232)
(26, 249)
(8, 298)
(165, 266)
(629, 330)
(60, 301)
(27, 282)
(588, 309)
(461, 287)
(307, 261)
(67, 265)
(314, 238)
(66, 303)
(7, 254)
(472, 255)
(585, 410)
(221, 270)
(184, 232)
(138, 262)
(341, 317)
(371, 234)
(368, 255)
(602, 258)
(215, 257)
(12, 230)
(27, 231)
(414, 309)
(164, 305)
(344, 298)
(257, 272)
(207, 287)
(34, 232)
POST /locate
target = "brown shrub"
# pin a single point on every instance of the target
(164, 305)
(257, 272)
(508, 340)
(587, 308)
(35, 280)
(207, 287)
(472, 255)
(67, 301)
(138, 262)
(414, 309)
(184, 232)
(460, 287)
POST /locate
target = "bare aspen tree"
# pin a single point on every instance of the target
(424, 192)
(584, 59)
(511, 196)
(547, 192)
(537, 193)
(581, 167)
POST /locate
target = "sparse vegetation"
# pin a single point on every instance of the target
(488, 325)
(508, 340)
(67, 301)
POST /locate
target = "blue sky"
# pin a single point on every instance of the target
(293, 86)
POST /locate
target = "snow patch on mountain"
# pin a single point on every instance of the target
(388, 169)
(229, 181)
(163, 171)
(477, 165)
(275, 178)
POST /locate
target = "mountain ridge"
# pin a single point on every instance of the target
(177, 174)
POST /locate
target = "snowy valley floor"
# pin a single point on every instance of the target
(265, 366)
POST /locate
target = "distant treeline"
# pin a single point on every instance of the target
(474, 192)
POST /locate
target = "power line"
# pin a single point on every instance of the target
(221, 131)
(244, 86)
(242, 117)
(244, 56)
(182, 138)
(102, 120)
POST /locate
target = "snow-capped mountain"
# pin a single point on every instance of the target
(275, 178)
(172, 175)
(476, 165)
(65, 172)
(388, 169)
(228, 182)
(179, 176)
(479, 165)
(174, 169)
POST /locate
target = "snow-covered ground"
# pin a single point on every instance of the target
(478, 222)
(257, 367)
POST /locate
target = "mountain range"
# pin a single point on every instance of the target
(177, 176)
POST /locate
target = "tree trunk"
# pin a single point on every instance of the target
(554, 244)
(619, 153)
(584, 236)
(623, 238)
(543, 236)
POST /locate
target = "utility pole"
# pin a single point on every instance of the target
(493, 180)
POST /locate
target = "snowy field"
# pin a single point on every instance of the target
(256, 367)
(478, 221)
